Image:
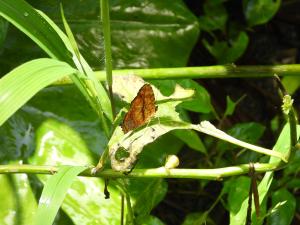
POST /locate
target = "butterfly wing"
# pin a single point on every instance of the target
(142, 109)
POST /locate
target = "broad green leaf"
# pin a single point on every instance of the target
(225, 53)
(18, 86)
(58, 144)
(54, 192)
(191, 138)
(18, 204)
(29, 21)
(215, 16)
(285, 213)
(260, 11)
(129, 29)
(200, 101)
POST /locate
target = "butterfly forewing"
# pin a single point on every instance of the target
(142, 109)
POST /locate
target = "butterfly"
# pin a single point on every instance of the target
(142, 109)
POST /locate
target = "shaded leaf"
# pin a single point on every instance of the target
(148, 198)
(225, 52)
(285, 213)
(249, 132)
(201, 99)
(197, 218)
(260, 11)
(191, 138)
(156, 25)
(215, 16)
(283, 146)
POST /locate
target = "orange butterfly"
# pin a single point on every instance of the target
(142, 109)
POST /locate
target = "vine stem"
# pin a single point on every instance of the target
(161, 172)
(225, 71)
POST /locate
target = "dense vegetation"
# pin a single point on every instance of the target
(57, 119)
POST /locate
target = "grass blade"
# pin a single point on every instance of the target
(19, 85)
(54, 193)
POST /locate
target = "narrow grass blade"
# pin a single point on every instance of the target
(19, 85)
(54, 193)
(29, 21)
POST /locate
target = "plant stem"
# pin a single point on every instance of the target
(104, 6)
(161, 172)
(226, 71)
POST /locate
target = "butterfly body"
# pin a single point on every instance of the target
(142, 109)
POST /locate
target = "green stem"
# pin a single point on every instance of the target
(161, 172)
(226, 71)
(104, 6)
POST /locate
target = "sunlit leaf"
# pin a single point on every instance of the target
(54, 192)
(18, 204)
(18, 86)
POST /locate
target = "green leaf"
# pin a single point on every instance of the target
(169, 24)
(58, 144)
(148, 198)
(198, 218)
(285, 213)
(215, 16)
(166, 119)
(18, 86)
(54, 192)
(3, 32)
(225, 52)
(191, 138)
(260, 11)
(16, 139)
(42, 30)
(17, 200)
(291, 84)
(283, 146)
(201, 99)
(151, 220)
(155, 154)
(237, 196)
(249, 132)
(29, 21)
(65, 104)
(230, 106)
